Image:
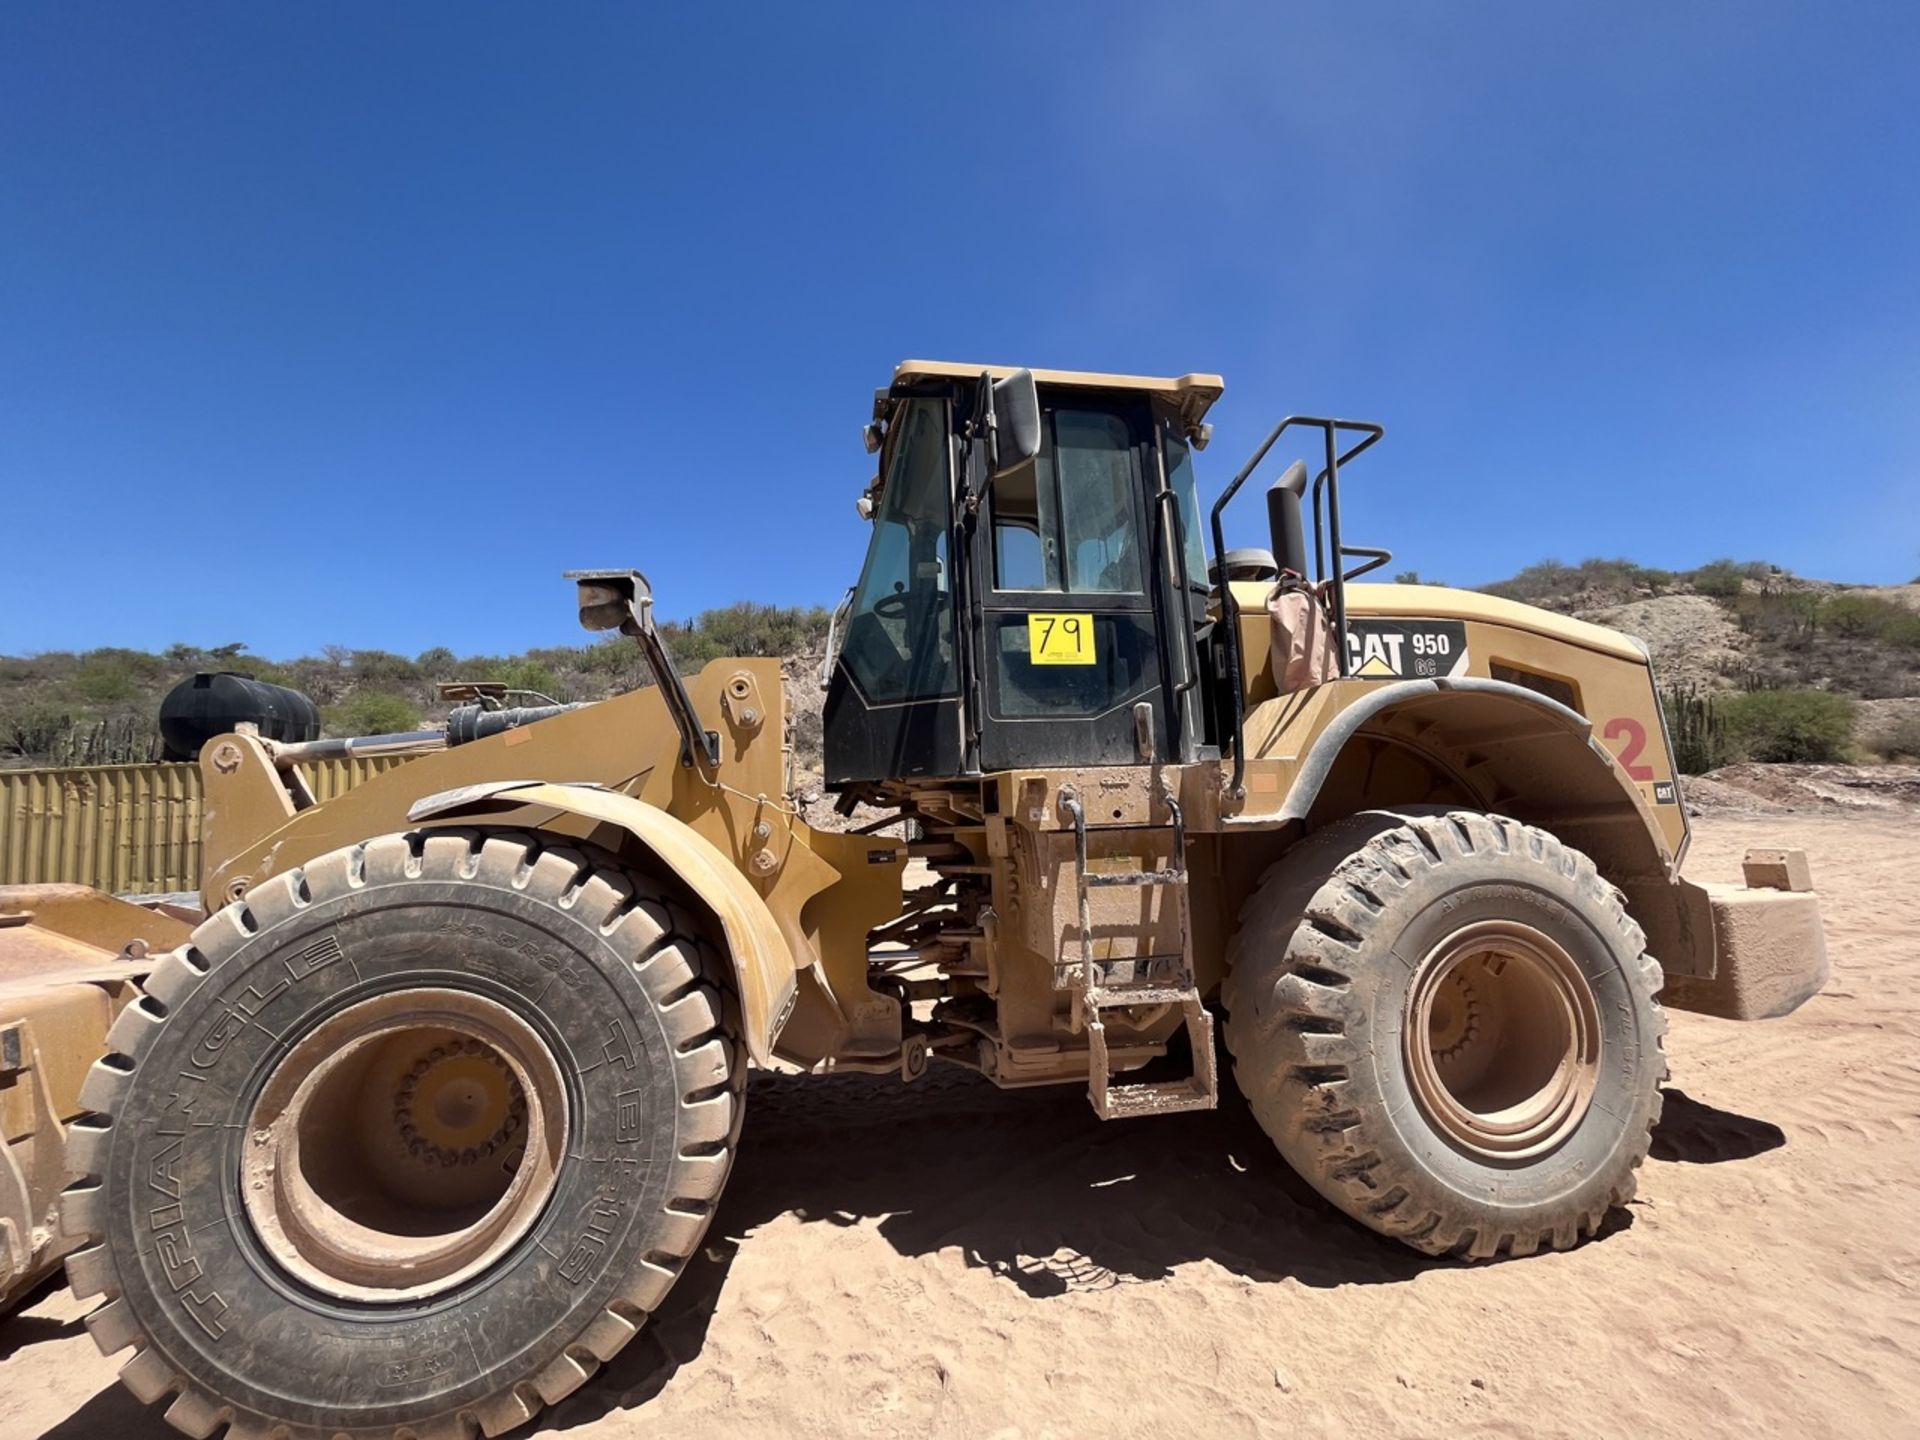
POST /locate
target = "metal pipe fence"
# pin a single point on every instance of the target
(129, 829)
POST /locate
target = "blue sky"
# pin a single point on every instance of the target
(358, 323)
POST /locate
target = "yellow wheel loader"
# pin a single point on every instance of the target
(413, 1130)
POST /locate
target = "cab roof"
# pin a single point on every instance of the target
(1190, 394)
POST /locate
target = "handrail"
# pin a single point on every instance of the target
(1326, 534)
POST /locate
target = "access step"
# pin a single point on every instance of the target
(1198, 1091)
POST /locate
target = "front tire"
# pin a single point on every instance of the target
(409, 1141)
(1446, 1022)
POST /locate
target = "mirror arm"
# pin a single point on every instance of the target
(622, 600)
(980, 426)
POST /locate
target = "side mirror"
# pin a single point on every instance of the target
(613, 599)
(1016, 422)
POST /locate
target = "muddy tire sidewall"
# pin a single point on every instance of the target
(1617, 1112)
(207, 1284)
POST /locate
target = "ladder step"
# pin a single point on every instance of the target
(1137, 877)
(1199, 1091)
(1129, 972)
(1124, 1102)
(1104, 998)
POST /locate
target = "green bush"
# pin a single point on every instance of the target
(1552, 580)
(1901, 744)
(746, 629)
(30, 725)
(383, 667)
(1869, 617)
(1789, 618)
(371, 712)
(182, 656)
(102, 683)
(1542, 581)
(616, 656)
(1789, 725)
(1720, 579)
(112, 675)
(520, 673)
(1854, 616)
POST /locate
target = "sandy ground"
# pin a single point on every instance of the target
(948, 1260)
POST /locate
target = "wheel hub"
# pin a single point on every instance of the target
(1502, 1040)
(1455, 1021)
(458, 1104)
(404, 1144)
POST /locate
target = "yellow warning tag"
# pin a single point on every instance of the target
(1060, 639)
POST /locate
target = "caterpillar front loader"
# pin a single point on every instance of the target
(413, 1131)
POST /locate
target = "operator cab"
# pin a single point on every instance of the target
(1035, 579)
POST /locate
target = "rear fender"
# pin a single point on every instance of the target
(764, 967)
(1520, 752)
(1526, 755)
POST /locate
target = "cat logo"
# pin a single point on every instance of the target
(1379, 655)
(1406, 649)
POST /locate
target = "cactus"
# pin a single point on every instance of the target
(1697, 730)
(122, 740)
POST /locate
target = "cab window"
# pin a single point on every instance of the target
(1179, 457)
(899, 643)
(1093, 455)
(1070, 520)
(1026, 551)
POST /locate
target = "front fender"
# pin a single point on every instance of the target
(764, 969)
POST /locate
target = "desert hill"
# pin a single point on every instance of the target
(1758, 663)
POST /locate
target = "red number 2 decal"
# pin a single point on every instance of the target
(1625, 727)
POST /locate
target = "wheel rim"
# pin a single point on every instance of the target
(404, 1144)
(1502, 1040)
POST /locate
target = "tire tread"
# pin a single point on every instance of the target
(687, 981)
(1294, 1035)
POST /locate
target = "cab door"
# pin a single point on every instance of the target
(893, 708)
(1067, 571)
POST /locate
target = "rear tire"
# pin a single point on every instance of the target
(1446, 1022)
(409, 1141)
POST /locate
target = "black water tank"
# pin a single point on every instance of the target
(196, 710)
